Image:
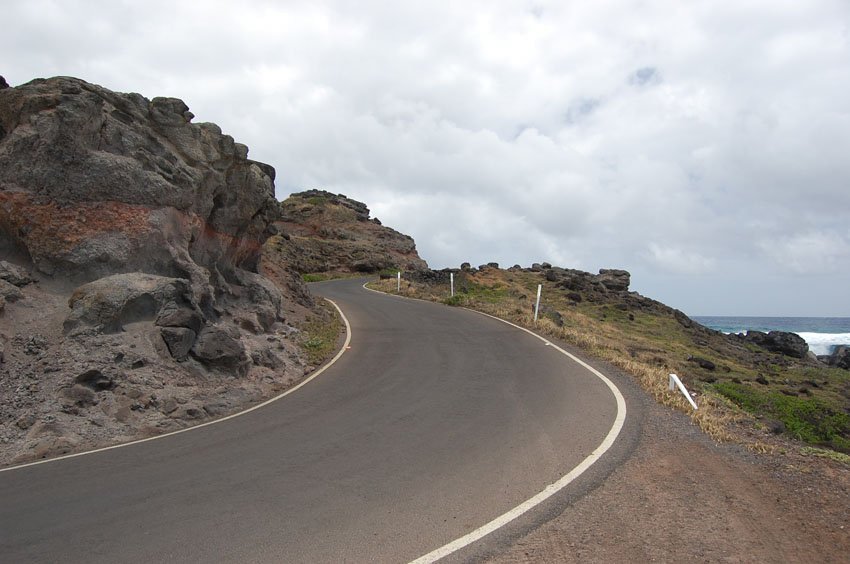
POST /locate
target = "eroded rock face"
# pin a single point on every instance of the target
(94, 182)
(130, 244)
(322, 232)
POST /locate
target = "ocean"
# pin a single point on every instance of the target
(822, 334)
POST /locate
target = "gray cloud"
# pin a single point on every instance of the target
(701, 148)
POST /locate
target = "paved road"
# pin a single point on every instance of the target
(435, 421)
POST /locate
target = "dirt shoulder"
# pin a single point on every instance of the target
(681, 497)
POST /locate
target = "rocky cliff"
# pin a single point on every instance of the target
(130, 247)
(325, 232)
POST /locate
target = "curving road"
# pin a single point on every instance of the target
(436, 421)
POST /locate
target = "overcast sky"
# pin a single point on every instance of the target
(704, 145)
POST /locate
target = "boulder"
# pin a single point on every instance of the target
(551, 314)
(14, 274)
(702, 362)
(186, 316)
(782, 342)
(9, 293)
(219, 347)
(113, 301)
(179, 341)
(840, 357)
(614, 280)
(95, 380)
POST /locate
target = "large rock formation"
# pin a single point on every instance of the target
(94, 182)
(325, 232)
(130, 245)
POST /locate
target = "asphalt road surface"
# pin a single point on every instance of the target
(434, 422)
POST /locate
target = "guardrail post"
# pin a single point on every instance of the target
(537, 304)
(676, 383)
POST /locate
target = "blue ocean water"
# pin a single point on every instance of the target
(821, 333)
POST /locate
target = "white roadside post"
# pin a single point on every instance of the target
(537, 305)
(676, 383)
(452, 282)
(398, 285)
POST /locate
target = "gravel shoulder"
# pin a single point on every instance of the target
(681, 497)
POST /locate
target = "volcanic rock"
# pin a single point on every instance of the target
(14, 274)
(789, 344)
(614, 279)
(840, 357)
(326, 232)
(9, 293)
(113, 301)
(219, 347)
(94, 182)
(179, 341)
(145, 233)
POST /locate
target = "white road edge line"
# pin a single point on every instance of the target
(313, 376)
(549, 490)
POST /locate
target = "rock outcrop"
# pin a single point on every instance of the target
(94, 182)
(789, 344)
(325, 232)
(840, 357)
(130, 254)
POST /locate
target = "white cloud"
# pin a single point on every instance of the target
(655, 136)
(812, 253)
(679, 261)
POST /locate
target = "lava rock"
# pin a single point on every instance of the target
(840, 357)
(15, 275)
(113, 301)
(96, 380)
(614, 279)
(9, 292)
(150, 191)
(173, 314)
(179, 341)
(788, 344)
(219, 347)
(702, 362)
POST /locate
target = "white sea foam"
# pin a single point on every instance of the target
(823, 343)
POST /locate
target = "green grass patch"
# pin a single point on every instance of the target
(805, 418)
(317, 200)
(315, 277)
(826, 453)
(320, 334)
(456, 300)
(475, 291)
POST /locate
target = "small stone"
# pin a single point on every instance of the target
(95, 380)
(25, 421)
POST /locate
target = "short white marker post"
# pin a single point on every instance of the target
(398, 285)
(537, 305)
(452, 282)
(676, 383)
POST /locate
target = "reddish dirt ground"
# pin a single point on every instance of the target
(682, 498)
